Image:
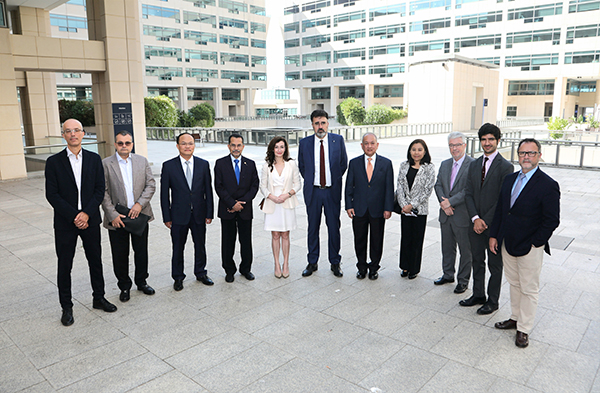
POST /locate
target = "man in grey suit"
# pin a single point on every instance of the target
(454, 219)
(129, 182)
(484, 182)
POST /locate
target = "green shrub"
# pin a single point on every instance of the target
(353, 110)
(399, 114)
(186, 120)
(204, 113)
(81, 110)
(556, 125)
(379, 114)
(160, 112)
(340, 115)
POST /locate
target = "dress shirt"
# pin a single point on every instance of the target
(458, 165)
(525, 180)
(239, 162)
(317, 180)
(183, 164)
(127, 174)
(373, 159)
(76, 161)
(488, 164)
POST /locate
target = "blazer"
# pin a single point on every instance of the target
(481, 198)
(291, 181)
(177, 201)
(533, 217)
(144, 187)
(376, 195)
(61, 189)
(456, 195)
(338, 161)
(229, 191)
(418, 195)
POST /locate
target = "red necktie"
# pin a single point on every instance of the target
(322, 167)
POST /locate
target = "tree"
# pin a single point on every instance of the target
(186, 120)
(353, 111)
(160, 112)
(204, 113)
(82, 110)
(340, 115)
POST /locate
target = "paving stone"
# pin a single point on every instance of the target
(561, 370)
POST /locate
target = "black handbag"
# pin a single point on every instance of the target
(134, 225)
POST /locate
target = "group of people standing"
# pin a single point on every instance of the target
(471, 214)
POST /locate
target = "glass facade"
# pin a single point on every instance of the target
(531, 88)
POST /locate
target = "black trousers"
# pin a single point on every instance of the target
(411, 242)
(229, 231)
(65, 243)
(179, 237)
(361, 226)
(119, 247)
(480, 245)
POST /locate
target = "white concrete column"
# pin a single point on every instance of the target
(218, 100)
(368, 96)
(249, 101)
(558, 100)
(184, 106)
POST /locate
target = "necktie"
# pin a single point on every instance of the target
(188, 174)
(453, 175)
(322, 166)
(237, 171)
(485, 160)
(517, 189)
(369, 169)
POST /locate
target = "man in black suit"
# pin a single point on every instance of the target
(236, 184)
(75, 189)
(484, 180)
(526, 215)
(186, 201)
(369, 202)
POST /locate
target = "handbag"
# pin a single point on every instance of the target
(261, 204)
(397, 207)
(136, 225)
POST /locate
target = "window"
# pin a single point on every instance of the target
(479, 21)
(533, 36)
(257, 10)
(348, 72)
(191, 54)
(315, 41)
(587, 87)
(270, 94)
(582, 32)
(429, 26)
(231, 95)
(319, 56)
(294, 9)
(511, 111)
(493, 60)
(172, 93)
(258, 43)
(292, 76)
(294, 42)
(315, 6)
(349, 17)
(295, 27)
(320, 93)
(162, 12)
(162, 33)
(164, 73)
(386, 70)
(429, 45)
(189, 16)
(387, 10)
(483, 40)
(349, 36)
(235, 76)
(536, 13)
(259, 76)
(531, 88)
(67, 23)
(459, 3)
(267, 112)
(387, 31)
(345, 54)
(351, 91)
(346, 3)
(388, 91)
(233, 41)
(71, 75)
(202, 3)
(235, 23)
(200, 37)
(201, 74)
(582, 57)
(159, 51)
(386, 50)
(583, 5)
(234, 7)
(3, 15)
(194, 94)
(258, 60)
(316, 75)
(295, 59)
(417, 5)
(531, 62)
(234, 58)
(255, 26)
(71, 93)
(307, 24)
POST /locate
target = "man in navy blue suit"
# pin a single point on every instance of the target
(322, 162)
(75, 189)
(186, 201)
(526, 214)
(236, 184)
(369, 202)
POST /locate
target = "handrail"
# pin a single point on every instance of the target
(61, 145)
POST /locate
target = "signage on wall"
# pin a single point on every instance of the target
(122, 118)
(485, 102)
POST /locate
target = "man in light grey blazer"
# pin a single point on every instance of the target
(454, 218)
(129, 182)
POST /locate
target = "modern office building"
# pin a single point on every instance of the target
(543, 56)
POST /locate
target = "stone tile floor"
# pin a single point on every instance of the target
(316, 334)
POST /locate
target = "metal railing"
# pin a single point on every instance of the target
(517, 122)
(93, 145)
(556, 153)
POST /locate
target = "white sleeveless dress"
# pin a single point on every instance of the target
(281, 220)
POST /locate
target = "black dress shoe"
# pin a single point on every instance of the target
(404, 273)
(67, 317)
(412, 276)
(124, 296)
(442, 280)
(487, 309)
(103, 304)
(249, 276)
(205, 280)
(178, 285)
(310, 268)
(472, 301)
(460, 288)
(147, 289)
(229, 278)
(505, 325)
(522, 339)
(360, 275)
(373, 275)
(337, 271)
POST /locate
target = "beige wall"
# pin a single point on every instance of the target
(527, 106)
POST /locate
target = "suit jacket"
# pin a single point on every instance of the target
(144, 186)
(61, 189)
(456, 195)
(532, 218)
(291, 181)
(177, 201)
(481, 199)
(376, 195)
(418, 195)
(338, 161)
(229, 191)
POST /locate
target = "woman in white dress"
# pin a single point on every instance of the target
(279, 182)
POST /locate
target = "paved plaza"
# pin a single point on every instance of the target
(314, 334)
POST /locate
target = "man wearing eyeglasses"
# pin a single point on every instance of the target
(527, 213)
(75, 189)
(130, 183)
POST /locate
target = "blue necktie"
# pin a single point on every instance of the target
(237, 171)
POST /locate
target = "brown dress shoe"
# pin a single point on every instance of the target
(505, 325)
(522, 339)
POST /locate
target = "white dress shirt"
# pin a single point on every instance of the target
(127, 174)
(373, 159)
(317, 179)
(76, 162)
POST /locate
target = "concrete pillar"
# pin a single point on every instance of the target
(249, 101)
(12, 159)
(183, 101)
(597, 100)
(558, 101)
(218, 100)
(302, 92)
(335, 99)
(368, 96)
(116, 23)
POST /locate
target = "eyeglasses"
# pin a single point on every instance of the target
(186, 144)
(453, 145)
(73, 131)
(121, 143)
(528, 153)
